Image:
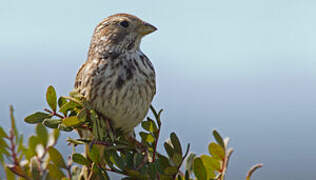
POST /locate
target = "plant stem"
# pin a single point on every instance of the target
(12, 148)
(54, 113)
(155, 145)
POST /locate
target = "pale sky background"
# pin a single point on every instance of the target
(246, 68)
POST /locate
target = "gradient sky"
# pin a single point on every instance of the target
(246, 68)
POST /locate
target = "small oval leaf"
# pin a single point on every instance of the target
(68, 106)
(52, 123)
(61, 101)
(55, 172)
(51, 98)
(80, 159)
(218, 138)
(94, 154)
(171, 170)
(176, 143)
(42, 133)
(169, 149)
(71, 121)
(208, 163)
(3, 133)
(216, 151)
(56, 157)
(199, 169)
(36, 117)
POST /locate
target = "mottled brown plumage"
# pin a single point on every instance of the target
(117, 78)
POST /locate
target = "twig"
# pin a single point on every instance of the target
(69, 172)
(54, 113)
(252, 170)
(155, 145)
(112, 170)
(179, 166)
(225, 164)
(14, 155)
(230, 152)
(69, 167)
(145, 160)
(12, 148)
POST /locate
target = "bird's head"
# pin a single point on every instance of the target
(121, 31)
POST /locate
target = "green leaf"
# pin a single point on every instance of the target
(169, 149)
(157, 115)
(51, 98)
(82, 115)
(208, 163)
(55, 172)
(56, 134)
(1, 158)
(42, 134)
(147, 137)
(189, 162)
(215, 164)
(187, 175)
(75, 100)
(163, 163)
(199, 169)
(20, 143)
(133, 174)
(9, 174)
(36, 117)
(177, 158)
(172, 170)
(75, 141)
(149, 125)
(80, 159)
(56, 157)
(75, 94)
(71, 121)
(94, 154)
(176, 143)
(61, 101)
(34, 167)
(108, 159)
(62, 127)
(4, 149)
(33, 142)
(3, 133)
(216, 151)
(117, 160)
(52, 123)
(129, 160)
(3, 143)
(218, 138)
(68, 106)
(13, 126)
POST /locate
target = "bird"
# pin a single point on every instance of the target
(118, 79)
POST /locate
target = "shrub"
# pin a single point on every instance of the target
(106, 150)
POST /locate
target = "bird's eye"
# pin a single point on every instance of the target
(124, 24)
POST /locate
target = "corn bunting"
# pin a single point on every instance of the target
(118, 79)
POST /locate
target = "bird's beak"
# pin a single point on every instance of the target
(146, 28)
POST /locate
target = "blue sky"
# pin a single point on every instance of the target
(246, 68)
